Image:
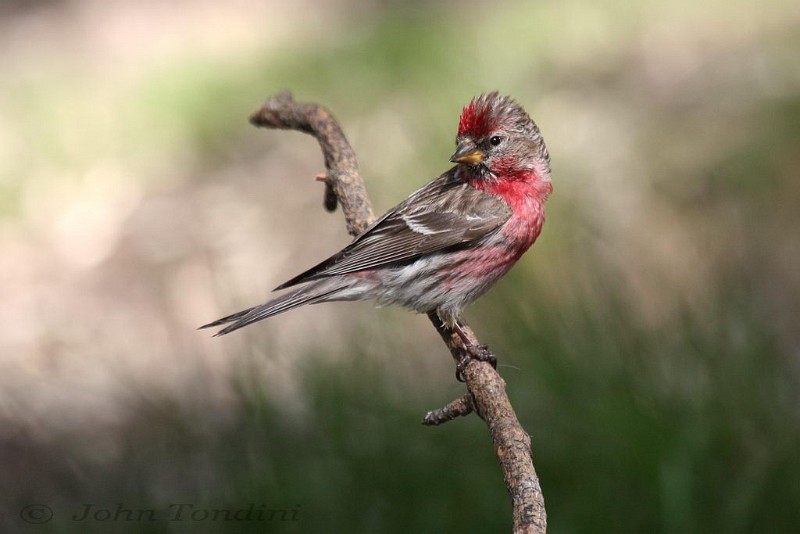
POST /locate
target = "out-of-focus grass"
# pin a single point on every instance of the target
(690, 430)
(648, 339)
(687, 428)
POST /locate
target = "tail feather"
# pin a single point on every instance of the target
(228, 318)
(321, 291)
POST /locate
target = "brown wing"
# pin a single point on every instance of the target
(444, 213)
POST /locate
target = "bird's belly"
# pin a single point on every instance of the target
(444, 281)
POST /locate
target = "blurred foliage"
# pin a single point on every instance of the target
(649, 340)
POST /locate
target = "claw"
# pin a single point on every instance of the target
(461, 366)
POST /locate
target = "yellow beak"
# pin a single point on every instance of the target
(467, 153)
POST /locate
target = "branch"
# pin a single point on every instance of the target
(461, 407)
(343, 183)
(486, 392)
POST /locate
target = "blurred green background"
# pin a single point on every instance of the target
(650, 339)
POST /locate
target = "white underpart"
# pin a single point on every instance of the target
(423, 286)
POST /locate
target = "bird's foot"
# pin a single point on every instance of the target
(469, 351)
(473, 352)
(482, 353)
(461, 365)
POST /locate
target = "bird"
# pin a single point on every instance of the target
(449, 242)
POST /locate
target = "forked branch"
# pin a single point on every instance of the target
(486, 393)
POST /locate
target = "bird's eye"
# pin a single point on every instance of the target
(495, 140)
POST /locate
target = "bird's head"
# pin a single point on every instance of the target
(497, 140)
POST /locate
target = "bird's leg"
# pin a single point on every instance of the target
(463, 335)
(471, 351)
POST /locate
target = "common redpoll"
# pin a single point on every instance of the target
(449, 242)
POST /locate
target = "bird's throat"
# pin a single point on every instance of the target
(521, 190)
